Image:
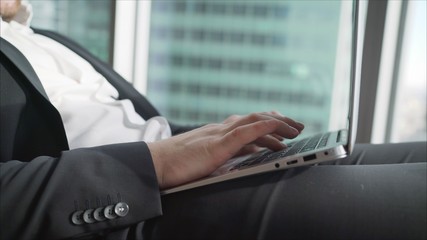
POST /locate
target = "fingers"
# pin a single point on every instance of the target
(247, 149)
(299, 126)
(265, 130)
(286, 130)
(232, 118)
(256, 132)
(278, 137)
(270, 142)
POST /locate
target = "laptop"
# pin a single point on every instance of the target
(312, 150)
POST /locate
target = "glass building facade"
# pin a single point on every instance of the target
(210, 59)
(87, 22)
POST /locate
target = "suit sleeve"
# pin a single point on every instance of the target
(39, 198)
(178, 129)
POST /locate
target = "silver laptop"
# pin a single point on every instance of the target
(308, 151)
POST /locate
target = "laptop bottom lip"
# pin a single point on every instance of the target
(328, 154)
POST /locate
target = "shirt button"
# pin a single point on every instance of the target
(88, 216)
(98, 214)
(109, 212)
(77, 217)
(121, 209)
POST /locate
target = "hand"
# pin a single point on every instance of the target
(195, 154)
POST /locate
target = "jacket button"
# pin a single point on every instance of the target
(109, 212)
(121, 209)
(98, 214)
(88, 216)
(77, 218)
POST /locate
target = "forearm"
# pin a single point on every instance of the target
(38, 198)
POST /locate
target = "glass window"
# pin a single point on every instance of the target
(237, 57)
(409, 120)
(87, 22)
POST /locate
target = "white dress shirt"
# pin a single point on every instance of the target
(86, 101)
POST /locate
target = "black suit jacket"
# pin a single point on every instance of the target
(43, 183)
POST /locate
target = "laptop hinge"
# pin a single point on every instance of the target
(341, 136)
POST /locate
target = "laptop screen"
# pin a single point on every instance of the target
(354, 77)
(345, 95)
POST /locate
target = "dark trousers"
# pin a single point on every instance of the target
(377, 193)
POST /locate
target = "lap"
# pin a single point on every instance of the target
(377, 200)
(363, 154)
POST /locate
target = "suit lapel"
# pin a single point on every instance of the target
(24, 66)
(37, 127)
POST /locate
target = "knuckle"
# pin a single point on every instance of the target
(233, 118)
(237, 132)
(265, 125)
(253, 117)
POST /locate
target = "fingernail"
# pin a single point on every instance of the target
(300, 125)
(294, 130)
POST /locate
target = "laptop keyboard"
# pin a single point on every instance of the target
(303, 145)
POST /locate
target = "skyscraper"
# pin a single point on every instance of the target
(87, 22)
(210, 59)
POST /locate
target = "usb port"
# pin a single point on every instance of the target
(292, 162)
(309, 157)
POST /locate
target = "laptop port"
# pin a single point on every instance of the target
(309, 157)
(292, 162)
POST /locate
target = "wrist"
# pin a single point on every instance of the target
(157, 162)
